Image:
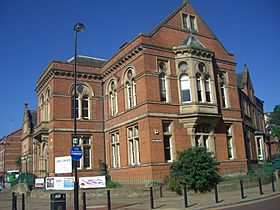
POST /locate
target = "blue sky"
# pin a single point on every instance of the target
(34, 32)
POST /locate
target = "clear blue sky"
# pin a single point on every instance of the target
(34, 32)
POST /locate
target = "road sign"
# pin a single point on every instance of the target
(76, 152)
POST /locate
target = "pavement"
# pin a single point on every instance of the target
(167, 202)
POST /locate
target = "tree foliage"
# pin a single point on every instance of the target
(196, 169)
(275, 119)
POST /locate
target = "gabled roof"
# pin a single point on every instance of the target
(193, 42)
(164, 21)
(88, 61)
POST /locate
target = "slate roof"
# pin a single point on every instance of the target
(242, 78)
(88, 61)
(239, 78)
(32, 119)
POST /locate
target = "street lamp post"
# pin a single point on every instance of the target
(79, 27)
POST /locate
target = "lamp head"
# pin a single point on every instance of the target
(79, 27)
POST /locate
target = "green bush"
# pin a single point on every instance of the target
(196, 169)
(173, 184)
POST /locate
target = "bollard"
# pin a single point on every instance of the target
(260, 186)
(13, 201)
(241, 189)
(185, 197)
(160, 191)
(84, 201)
(108, 200)
(216, 194)
(22, 201)
(272, 183)
(151, 198)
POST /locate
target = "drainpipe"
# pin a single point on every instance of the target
(103, 127)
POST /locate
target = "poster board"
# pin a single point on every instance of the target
(39, 182)
(60, 183)
(63, 165)
(92, 182)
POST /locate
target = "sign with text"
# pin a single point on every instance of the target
(60, 183)
(63, 165)
(39, 183)
(92, 182)
(76, 152)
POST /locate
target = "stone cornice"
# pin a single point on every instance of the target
(66, 73)
(122, 60)
(204, 53)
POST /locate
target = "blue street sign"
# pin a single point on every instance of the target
(76, 152)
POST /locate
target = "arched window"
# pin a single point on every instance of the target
(223, 83)
(162, 86)
(41, 107)
(185, 88)
(82, 103)
(48, 105)
(113, 99)
(130, 89)
(199, 87)
(207, 89)
(129, 95)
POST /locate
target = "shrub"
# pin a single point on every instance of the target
(196, 169)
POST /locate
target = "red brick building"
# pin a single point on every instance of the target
(10, 151)
(256, 141)
(164, 91)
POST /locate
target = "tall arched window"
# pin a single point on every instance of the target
(185, 88)
(113, 99)
(162, 86)
(207, 89)
(82, 103)
(130, 89)
(223, 83)
(199, 87)
(48, 105)
(41, 107)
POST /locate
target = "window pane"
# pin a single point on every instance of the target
(86, 156)
(131, 150)
(138, 151)
(192, 22)
(167, 141)
(162, 87)
(134, 92)
(199, 92)
(129, 96)
(166, 127)
(85, 107)
(185, 22)
(185, 88)
(167, 154)
(207, 90)
(186, 96)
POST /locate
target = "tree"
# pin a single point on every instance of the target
(275, 119)
(196, 169)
